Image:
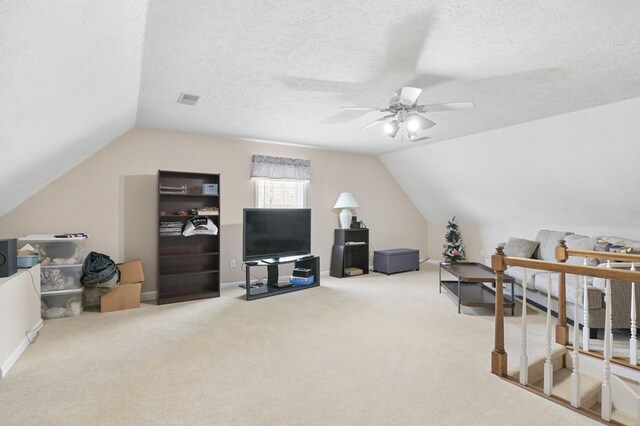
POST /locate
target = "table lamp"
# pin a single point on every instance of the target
(346, 202)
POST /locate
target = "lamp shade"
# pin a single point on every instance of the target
(346, 201)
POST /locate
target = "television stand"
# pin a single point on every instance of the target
(273, 273)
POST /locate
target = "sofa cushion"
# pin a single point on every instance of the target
(518, 247)
(580, 242)
(548, 243)
(595, 295)
(518, 273)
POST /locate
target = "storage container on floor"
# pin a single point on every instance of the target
(56, 251)
(64, 277)
(396, 260)
(62, 304)
(27, 261)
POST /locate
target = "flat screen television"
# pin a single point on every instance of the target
(275, 233)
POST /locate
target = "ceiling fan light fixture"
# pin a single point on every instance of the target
(413, 124)
(391, 128)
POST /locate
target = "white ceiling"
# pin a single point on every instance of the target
(69, 83)
(279, 70)
(75, 75)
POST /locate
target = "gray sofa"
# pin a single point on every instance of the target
(537, 281)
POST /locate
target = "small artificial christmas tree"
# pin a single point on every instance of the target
(453, 249)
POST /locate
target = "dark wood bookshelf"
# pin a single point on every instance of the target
(210, 253)
(177, 194)
(177, 216)
(187, 272)
(188, 267)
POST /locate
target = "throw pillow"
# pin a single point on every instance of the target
(605, 246)
(549, 242)
(518, 247)
(581, 242)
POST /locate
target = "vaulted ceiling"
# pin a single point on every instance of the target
(76, 75)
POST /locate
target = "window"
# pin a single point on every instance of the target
(280, 193)
(281, 183)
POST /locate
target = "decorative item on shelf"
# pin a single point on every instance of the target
(209, 189)
(208, 211)
(164, 189)
(353, 271)
(27, 257)
(199, 225)
(453, 248)
(346, 202)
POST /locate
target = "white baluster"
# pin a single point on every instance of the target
(524, 358)
(610, 319)
(548, 366)
(606, 381)
(633, 341)
(585, 313)
(575, 374)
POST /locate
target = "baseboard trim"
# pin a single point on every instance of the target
(24, 344)
(148, 296)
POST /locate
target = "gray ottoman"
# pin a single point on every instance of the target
(396, 260)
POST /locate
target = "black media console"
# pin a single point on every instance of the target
(312, 262)
(350, 250)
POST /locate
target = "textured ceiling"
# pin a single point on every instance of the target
(69, 83)
(279, 70)
(75, 75)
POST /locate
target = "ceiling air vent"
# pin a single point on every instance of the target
(187, 99)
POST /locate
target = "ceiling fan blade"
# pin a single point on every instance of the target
(449, 106)
(420, 139)
(357, 108)
(422, 121)
(379, 120)
(409, 95)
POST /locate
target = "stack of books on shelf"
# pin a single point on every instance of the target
(173, 189)
(171, 228)
(208, 211)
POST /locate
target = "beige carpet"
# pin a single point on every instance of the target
(364, 350)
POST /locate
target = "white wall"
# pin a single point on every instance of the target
(19, 313)
(112, 197)
(578, 172)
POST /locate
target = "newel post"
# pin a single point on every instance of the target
(499, 356)
(562, 330)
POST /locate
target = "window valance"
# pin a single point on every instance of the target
(264, 166)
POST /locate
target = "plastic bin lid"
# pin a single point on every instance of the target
(54, 266)
(49, 237)
(395, 252)
(61, 292)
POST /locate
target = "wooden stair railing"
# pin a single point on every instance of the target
(499, 357)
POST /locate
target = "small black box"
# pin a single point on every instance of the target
(8, 257)
(302, 272)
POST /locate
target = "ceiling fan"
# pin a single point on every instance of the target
(405, 112)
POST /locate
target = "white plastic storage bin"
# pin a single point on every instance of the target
(56, 278)
(62, 304)
(56, 251)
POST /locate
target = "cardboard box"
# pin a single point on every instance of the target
(127, 294)
(350, 272)
(131, 272)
